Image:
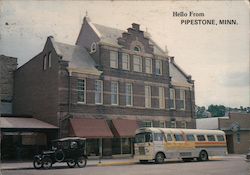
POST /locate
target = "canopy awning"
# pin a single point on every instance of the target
(125, 127)
(24, 123)
(89, 128)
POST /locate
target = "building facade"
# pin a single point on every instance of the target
(104, 87)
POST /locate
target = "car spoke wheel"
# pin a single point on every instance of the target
(81, 162)
(47, 163)
(159, 158)
(203, 156)
(37, 163)
(71, 163)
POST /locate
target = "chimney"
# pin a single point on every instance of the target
(136, 26)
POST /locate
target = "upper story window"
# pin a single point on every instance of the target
(114, 93)
(148, 65)
(125, 61)
(162, 124)
(158, 67)
(183, 124)
(129, 94)
(172, 124)
(161, 98)
(93, 47)
(49, 59)
(147, 124)
(44, 62)
(137, 49)
(172, 98)
(137, 60)
(147, 96)
(182, 99)
(114, 59)
(81, 91)
(98, 92)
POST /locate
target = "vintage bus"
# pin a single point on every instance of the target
(159, 144)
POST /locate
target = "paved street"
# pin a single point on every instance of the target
(230, 165)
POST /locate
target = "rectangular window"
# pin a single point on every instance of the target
(44, 62)
(129, 94)
(182, 99)
(211, 138)
(162, 124)
(178, 137)
(161, 98)
(190, 137)
(237, 135)
(137, 62)
(147, 124)
(173, 124)
(158, 137)
(114, 93)
(169, 137)
(147, 96)
(201, 138)
(98, 92)
(114, 59)
(183, 124)
(49, 59)
(220, 138)
(81, 97)
(148, 65)
(158, 67)
(172, 98)
(125, 61)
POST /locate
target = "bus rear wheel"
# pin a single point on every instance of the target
(203, 156)
(159, 158)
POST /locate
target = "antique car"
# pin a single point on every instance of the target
(70, 150)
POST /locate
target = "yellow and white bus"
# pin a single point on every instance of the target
(171, 143)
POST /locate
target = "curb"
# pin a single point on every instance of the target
(116, 163)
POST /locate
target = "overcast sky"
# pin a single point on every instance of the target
(217, 57)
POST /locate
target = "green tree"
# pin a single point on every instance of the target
(217, 110)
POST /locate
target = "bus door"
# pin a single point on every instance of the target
(158, 141)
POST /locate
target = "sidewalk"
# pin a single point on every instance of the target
(103, 162)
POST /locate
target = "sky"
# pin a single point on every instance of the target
(216, 56)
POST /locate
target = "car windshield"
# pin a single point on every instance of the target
(143, 137)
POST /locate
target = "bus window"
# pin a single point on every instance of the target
(169, 137)
(210, 138)
(190, 137)
(158, 137)
(201, 138)
(143, 137)
(178, 137)
(220, 138)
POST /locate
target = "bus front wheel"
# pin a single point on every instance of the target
(203, 156)
(159, 158)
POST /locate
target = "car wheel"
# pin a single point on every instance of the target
(159, 158)
(71, 163)
(59, 156)
(47, 163)
(37, 163)
(81, 162)
(203, 156)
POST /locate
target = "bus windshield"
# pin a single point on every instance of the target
(143, 137)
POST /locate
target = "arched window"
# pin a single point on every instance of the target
(137, 49)
(93, 47)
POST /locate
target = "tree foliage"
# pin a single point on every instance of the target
(217, 110)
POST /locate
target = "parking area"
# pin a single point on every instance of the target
(229, 165)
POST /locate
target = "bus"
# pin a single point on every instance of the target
(159, 144)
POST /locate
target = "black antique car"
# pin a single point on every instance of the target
(70, 150)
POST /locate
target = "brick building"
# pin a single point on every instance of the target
(104, 87)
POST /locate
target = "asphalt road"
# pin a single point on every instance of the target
(232, 165)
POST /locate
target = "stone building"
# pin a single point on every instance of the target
(104, 87)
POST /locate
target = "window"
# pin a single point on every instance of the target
(114, 59)
(190, 137)
(172, 99)
(81, 91)
(49, 59)
(182, 99)
(169, 137)
(147, 124)
(220, 138)
(173, 124)
(125, 61)
(158, 137)
(158, 67)
(44, 62)
(237, 136)
(148, 65)
(93, 47)
(161, 98)
(147, 96)
(129, 94)
(183, 124)
(178, 137)
(137, 49)
(114, 93)
(137, 60)
(162, 124)
(201, 138)
(210, 138)
(98, 92)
